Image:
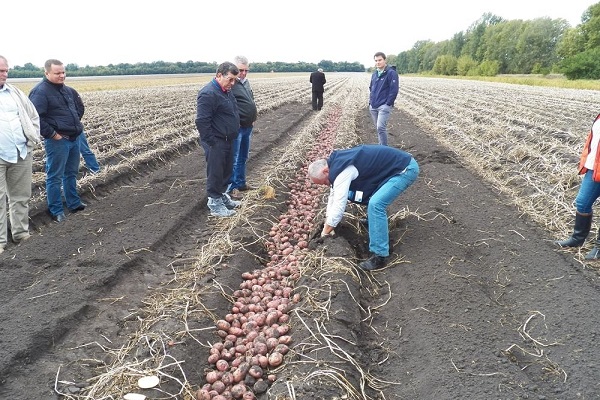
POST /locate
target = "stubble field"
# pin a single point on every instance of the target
(476, 302)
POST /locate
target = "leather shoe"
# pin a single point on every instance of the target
(373, 262)
(235, 194)
(59, 217)
(245, 188)
(80, 207)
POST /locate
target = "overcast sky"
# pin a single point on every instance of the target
(90, 32)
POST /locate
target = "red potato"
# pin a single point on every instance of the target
(275, 359)
(218, 387)
(282, 348)
(222, 365)
(202, 395)
(213, 358)
(238, 390)
(227, 379)
(213, 376)
(263, 361)
(256, 372)
(223, 325)
(236, 331)
(285, 339)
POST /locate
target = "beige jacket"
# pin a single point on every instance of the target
(30, 120)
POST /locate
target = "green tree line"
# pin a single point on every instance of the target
(493, 45)
(190, 67)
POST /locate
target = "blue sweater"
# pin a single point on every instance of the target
(384, 88)
(375, 164)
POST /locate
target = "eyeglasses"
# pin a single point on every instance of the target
(243, 70)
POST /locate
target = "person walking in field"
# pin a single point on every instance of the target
(19, 134)
(383, 89)
(589, 192)
(218, 122)
(248, 113)
(318, 81)
(374, 175)
(60, 108)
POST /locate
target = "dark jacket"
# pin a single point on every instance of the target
(318, 81)
(60, 108)
(375, 164)
(217, 115)
(245, 101)
(384, 88)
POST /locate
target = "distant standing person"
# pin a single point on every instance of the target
(318, 81)
(373, 175)
(589, 192)
(248, 113)
(19, 134)
(60, 108)
(384, 89)
(218, 122)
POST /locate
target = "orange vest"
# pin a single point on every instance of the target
(584, 154)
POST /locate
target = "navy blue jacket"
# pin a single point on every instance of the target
(217, 114)
(60, 108)
(375, 164)
(384, 88)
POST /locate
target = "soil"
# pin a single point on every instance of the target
(475, 302)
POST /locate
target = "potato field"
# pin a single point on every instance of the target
(145, 296)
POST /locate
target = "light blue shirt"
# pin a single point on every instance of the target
(13, 143)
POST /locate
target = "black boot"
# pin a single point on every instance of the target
(583, 224)
(594, 253)
(373, 262)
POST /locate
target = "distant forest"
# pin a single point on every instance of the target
(494, 46)
(190, 67)
(490, 46)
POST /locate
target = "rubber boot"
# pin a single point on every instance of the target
(583, 224)
(594, 253)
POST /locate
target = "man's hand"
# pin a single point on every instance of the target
(327, 231)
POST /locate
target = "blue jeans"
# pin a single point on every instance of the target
(241, 152)
(89, 158)
(380, 116)
(379, 236)
(589, 191)
(62, 166)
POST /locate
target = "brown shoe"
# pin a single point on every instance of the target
(235, 194)
(245, 188)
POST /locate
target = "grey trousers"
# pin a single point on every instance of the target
(15, 185)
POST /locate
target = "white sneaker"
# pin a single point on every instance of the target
(229, 202)
(218, 208)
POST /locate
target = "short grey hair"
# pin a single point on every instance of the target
(315, 169)
(320, 70)
(240, 60)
